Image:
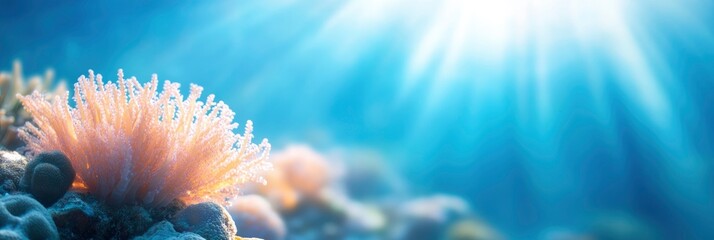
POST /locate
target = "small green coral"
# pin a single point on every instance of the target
(48, 177)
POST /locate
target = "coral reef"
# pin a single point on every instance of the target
(125, 221)
(22, 217)
(131, 144)
(12, 167)
(207, 219)
(164, 230)
(81, 216)
(349, 194)
(12, 115)
(75, 218)
(255, 217)
(48, 177)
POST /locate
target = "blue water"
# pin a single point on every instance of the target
(536, 131)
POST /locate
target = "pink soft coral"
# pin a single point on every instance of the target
(130, 144)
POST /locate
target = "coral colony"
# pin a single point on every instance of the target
(126, 161)
(12, 115)
(131, 161)
(131, 144)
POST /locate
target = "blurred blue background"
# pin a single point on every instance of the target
(540, 113)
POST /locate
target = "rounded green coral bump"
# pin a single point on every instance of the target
(48, 177)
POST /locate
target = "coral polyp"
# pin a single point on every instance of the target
(131, 144)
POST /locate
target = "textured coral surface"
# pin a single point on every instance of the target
(22, 217)
(48, 177)
(131, 144)
(12, 115)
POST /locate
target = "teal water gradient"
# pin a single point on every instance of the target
(541, 132)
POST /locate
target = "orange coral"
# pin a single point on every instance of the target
(300, 172)
(130, 144)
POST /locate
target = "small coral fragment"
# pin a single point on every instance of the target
(48, 177)
(133, 144)
(22, 217)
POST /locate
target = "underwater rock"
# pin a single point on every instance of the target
(48, 177)
(168, 211)
(365, 218)
(429, 217)
(81, 216)
(75, 218)
(12, 167)
(367, 182)
(125, 222)
(315, 220)
(22, 217)
(471, 229)
(164, 230)
(621, 226)
(360, 218)
(254, 217)
(366, 177)
(207, 219)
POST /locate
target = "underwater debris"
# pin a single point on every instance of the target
(48, 177)
(12, 115)
(131, 144)
(22, 217)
